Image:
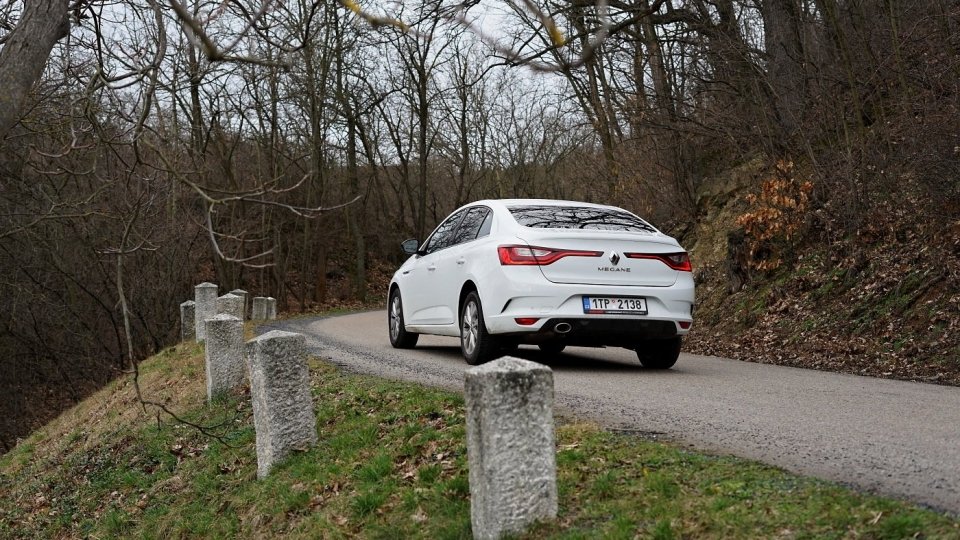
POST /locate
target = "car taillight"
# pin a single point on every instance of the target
(533, 255)
(677, 261)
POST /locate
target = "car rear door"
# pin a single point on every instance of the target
(425, 305)
(453, 274)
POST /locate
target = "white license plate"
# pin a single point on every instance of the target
(614, 305)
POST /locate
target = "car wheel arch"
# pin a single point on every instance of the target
(394, 287)
(465, 289)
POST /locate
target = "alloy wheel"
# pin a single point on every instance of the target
(470, 328)
(395, 318)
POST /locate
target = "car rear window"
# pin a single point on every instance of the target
(577, 217)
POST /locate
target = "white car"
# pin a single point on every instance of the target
(498, 273)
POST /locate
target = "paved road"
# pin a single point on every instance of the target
(891, 437)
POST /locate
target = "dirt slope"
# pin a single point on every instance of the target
(882, 299)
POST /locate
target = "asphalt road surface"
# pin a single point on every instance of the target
(895, 438)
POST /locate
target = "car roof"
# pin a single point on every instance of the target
(539, 202)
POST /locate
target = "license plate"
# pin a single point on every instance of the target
(614, 305)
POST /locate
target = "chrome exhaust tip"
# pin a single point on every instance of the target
(562, 328)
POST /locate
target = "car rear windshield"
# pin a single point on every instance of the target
(577, 217)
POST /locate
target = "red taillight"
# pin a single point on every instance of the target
(533, 255)
(685, 325)
(677, 261)
(526, 321)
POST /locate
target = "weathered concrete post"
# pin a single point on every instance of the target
(280, 393)
(259, 309)
(271, 308)
(230, 304)
(224, 354)
(510, 446)
(246, 300)
(188, 325)
(205, 296)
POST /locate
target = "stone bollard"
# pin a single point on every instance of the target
(188, 325)
(510, 446)
(230, 304)
(259, 312)
(205, 296)
(246, 300)
(224, 354)
(271, 308)
(280, 392)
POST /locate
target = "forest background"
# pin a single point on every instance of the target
(807, 150)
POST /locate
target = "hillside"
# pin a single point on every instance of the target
(390, 463)
(882, 299)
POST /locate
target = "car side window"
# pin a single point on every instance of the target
(471, 225)
(485, 226)
(442, 237)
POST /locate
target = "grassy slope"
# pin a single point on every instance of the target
(391, 463)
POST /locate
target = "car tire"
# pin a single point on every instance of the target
(659, 353)
(476, 344)
(399, 337)
(552, 348)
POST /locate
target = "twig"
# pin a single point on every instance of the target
(210, 49)
(128, 333)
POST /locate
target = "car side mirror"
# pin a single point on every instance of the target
(410, 246)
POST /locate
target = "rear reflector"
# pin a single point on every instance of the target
(526, 321)
(685, 325)
(678, 261)
(538, 256)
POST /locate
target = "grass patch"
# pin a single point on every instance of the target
(391, 463)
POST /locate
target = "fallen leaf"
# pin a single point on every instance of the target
(419, 516)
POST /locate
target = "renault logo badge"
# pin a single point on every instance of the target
(614, 258)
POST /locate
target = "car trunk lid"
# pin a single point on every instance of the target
(612, 266)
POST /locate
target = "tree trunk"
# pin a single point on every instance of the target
(785, 72)
(661, 83)
(25, 54)
(423, 117)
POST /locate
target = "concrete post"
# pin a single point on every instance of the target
(246, 301)
(259, 312)
(205, 296)
(280, 393)
(223, 354)
(510, 446)
(271, 308)
(188, 325)
(230, 304)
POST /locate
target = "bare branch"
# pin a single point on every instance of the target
(222, 255)
(210, 49)
(557, 40)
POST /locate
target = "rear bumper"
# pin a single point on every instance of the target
(596, 332)
(531, 296)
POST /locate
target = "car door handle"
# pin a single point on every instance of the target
(461, 261)
(432, 267)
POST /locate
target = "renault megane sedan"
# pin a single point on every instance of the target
(500, 273)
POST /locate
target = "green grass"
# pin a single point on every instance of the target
(391, 463)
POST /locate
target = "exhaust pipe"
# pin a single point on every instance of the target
(562, 328)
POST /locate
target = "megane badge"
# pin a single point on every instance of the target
(614, 258)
